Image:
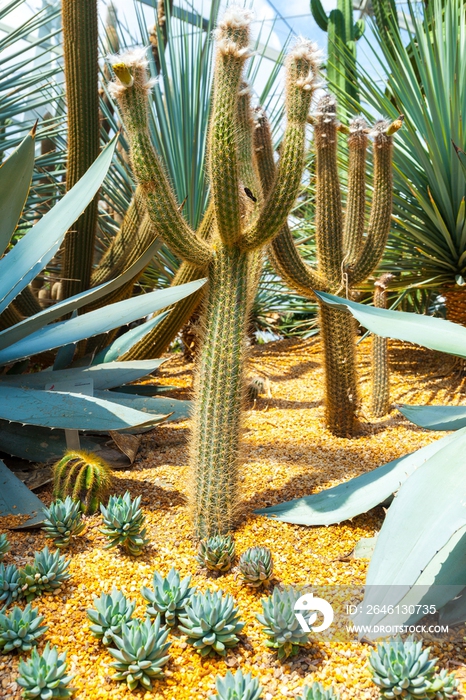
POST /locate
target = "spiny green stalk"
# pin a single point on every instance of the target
(345, 256)
(232, 256)
(80, 44)
(380, 405)
(84, 476)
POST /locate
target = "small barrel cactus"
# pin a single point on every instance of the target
(63, 521)
(43, 676)
(141, 652)
(317, 692)
(211, 622)
(217, 553)
(169, 596)
(4, 546)
(404, 669)
(109, 614)
(123, 520)
(20, 629)
(256, 566)
(280, 623)
(9, 584)
(237, 687)
(46, 575)
(84, 476)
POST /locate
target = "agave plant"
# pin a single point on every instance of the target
(216, 553)
(404, 669)
(237, 687)
(169, 597)
(4, 546)
(20, 629)
(256, 566)
(123, 524)
(280, 624)
(141, 653)
(63, 521)
(211, 622)
(109, 614)
(316, 691)
(46, 575)
(43, 676)
(9, 584)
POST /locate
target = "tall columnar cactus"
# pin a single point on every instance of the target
(80, 45)
(345, 255)
(380, 400)
(343, 33)
(241, 228)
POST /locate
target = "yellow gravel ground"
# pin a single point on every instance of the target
(287, 453)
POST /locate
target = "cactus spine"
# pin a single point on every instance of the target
(343, 34)
(231, 258)
(345, 255)
(80, 43)
(84, 476)
(380, 404)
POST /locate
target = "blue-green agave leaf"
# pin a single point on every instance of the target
(38, 444)
(35, 250)
(430, 332)
(126, 341)
(163, 405)
(435, 417)
(355, 496)
(15, 180)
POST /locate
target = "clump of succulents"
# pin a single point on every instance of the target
(317, 692)
(4, 546)
(256, 566)
(109, 614)
(123, 520)
(280, 624)
(141, 652)
(63, 521)
(84, 476)
(46, 575)
(404, 669)
(217, 553)
(169, 597)
(9, 584)
(20, 629)
(211, 622)
(237, 687)
(43, 676)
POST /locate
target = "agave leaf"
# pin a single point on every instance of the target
(96, 322)
(127, 340)
(178, 409)
(357, 495)
(56, 409)
(35, 250)
(435, 417)
(430, 332)
(38, 444)
(104, 376)
(454, 612)
(15, 180)
(462, 157)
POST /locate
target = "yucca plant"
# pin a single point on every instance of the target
(9, 584)
(109, 614)
(237, 687)
(4, 545)
(256, 566)
(43, 676)
(63, 521)
(169, 596)
(141, 653)
(20, 629)
(123, 524)
(216, 553)
(211, 622)
(47, 574)
(83, 476)
(316, 691)
(280, 625)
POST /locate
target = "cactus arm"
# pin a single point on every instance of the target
(247, 161)
(80, 43)
(302, 68)
(381, 210)
(131, 92)
(319, 14)
(358, 29)
(27, 303)
(328, 215)
(232, 52)
(353, 231)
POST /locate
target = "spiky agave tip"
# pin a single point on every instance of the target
(129, 68)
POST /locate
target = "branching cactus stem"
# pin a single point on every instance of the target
(243, 222)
